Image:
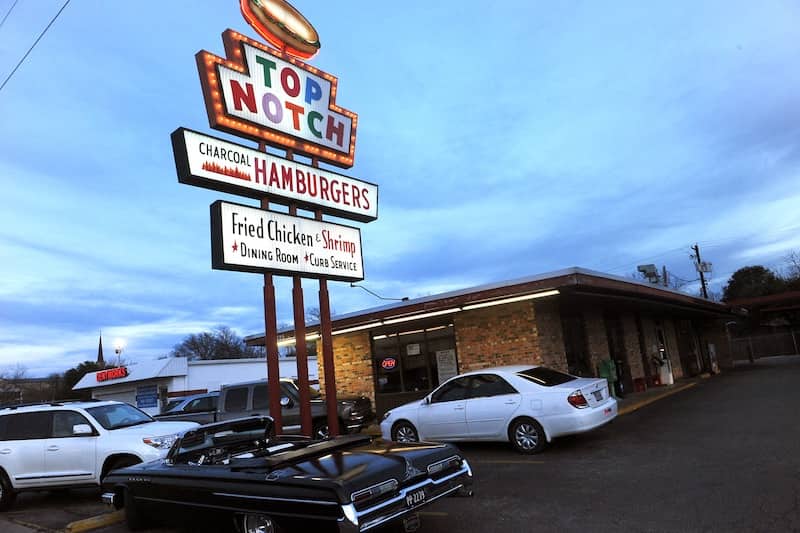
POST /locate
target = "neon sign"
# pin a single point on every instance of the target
(259, 93)
(112, 373)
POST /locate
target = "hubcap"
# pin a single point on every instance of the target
(406, 434)
(257, 523)
(526, 436)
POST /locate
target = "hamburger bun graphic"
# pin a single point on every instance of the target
(282, 26)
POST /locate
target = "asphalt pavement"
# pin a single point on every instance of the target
(718, 454)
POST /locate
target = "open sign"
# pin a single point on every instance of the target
(390, 363)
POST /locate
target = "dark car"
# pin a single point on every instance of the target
(355, 412)
(240, 470)
(251, 398)
(200, 408)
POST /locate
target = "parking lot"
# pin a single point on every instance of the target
(720, 456)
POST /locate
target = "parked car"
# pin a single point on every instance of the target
(69, 444)
(271, 484)
(252, 399)
(526, 405)
(355, 412)
(200, 408)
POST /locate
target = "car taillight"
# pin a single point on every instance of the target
(577, 400)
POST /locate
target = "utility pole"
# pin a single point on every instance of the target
(702, 268)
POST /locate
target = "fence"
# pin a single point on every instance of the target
(756, 346)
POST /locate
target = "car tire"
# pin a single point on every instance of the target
(7, 494)
(133, 515)
(404, 431)
(527, 436)
(254, 522)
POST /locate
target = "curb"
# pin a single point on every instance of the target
(95, 522)
(631, 408)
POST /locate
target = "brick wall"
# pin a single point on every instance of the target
(353, 363)
(494, 336)
(596, 336)
(549, 335)
(632, 350)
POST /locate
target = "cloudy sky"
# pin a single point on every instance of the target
(507, 139)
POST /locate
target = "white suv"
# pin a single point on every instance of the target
(71, 444)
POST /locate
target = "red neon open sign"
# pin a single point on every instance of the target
(112, 373)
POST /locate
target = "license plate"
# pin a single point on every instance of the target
(598, 395)
(415, 498)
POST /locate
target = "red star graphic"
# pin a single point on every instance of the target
(306, 258)
(235, 246)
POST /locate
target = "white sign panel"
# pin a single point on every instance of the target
(255, 240)
(212, 163)
(446, 364)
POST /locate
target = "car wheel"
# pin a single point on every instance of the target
(133, 515)
(527, 435)
(404, 432)
(258, 523)
(7, 494)
(320, 430)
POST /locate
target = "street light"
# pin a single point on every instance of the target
(119, 345)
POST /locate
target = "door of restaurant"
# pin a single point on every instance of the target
(408, 364)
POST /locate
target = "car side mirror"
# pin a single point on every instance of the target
(82, 429)
(427, 400)
(286, 402)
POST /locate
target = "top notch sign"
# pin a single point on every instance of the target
(259, 93)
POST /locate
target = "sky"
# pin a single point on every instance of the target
(507, 140)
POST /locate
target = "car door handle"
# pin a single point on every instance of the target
(53, 448)
(512, 402)
(5, 451)
(458, 408)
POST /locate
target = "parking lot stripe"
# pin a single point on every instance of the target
(95, 522)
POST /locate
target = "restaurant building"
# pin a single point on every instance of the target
(572, 320)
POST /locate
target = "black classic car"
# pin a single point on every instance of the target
(240, 471)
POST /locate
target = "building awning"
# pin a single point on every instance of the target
(160, 368)
(572, 281)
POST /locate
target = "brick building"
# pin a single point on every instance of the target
(570, 320)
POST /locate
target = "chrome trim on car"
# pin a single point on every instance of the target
(273, 498)
(349, 509)
(108, 498)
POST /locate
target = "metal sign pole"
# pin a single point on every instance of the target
(301, 348)
(271, 340)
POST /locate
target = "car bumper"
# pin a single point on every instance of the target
(457, 483)
(583, 420)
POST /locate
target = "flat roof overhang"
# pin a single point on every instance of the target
(573, 284)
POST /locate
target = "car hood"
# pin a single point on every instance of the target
(156, 428)
(349, 469)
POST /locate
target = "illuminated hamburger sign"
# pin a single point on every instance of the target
(263, 94)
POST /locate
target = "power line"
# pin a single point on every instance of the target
(10, 9)
(34, 43)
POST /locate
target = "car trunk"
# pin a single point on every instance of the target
(594, 390)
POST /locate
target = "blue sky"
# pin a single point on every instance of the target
(507, 140)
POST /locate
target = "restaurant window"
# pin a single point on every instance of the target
(413, 361)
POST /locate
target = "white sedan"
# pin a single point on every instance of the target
(525, 405)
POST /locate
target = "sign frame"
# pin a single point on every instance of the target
(218, 256)
(241, 187)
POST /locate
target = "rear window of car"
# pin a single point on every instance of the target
(547, 377)
(26, 426)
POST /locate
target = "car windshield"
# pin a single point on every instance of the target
(546, 377)
(312, 391)
(118, 415)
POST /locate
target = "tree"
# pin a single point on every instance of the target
(10, 381)
(792, 271)
(751, 281)
(222, 343)
(72, 376)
